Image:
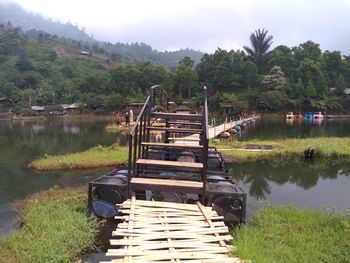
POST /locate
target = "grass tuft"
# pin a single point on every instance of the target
(55, 229)
(95, 157)
(290, 234)
(325, 147)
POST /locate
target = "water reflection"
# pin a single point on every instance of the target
(69, 128)
(278, 127)
(24, 141)
(263, 177)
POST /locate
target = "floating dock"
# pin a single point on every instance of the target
(152, 231)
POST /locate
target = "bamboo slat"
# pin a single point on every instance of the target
(168, 232)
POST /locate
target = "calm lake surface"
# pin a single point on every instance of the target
(309, 185)
(24, 141)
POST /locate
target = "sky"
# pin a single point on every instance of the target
(205, 24)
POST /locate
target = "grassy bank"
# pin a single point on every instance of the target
(289, 234)
(55, 229)
(95, 157)
(325, 147)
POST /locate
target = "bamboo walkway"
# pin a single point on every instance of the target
(213, 132)
(153, 231)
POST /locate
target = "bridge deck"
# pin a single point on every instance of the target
(169, 232)
(213, 132)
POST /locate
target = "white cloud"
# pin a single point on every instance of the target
(204, 24)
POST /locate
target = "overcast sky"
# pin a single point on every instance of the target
(204, 24)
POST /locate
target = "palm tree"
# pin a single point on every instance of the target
(260, 43)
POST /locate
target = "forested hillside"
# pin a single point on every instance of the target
(14, 15)
(18, 17)
(40, 69)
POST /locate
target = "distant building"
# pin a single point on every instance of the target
(38, 108)
(85, 53)
(227, 107)
(5, 102)
(73, 106)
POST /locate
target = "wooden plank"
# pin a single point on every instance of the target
(132, 242)
(175, 255)
(166, 182)
(185, 139)
(169, 163)
(176, 116)
(165, 205)
(142, 224)
(173, 228)
(154, 231)
(174, 130)
(131, 221)
(173, 145)
(185, 123)
(222, 243)
(143, 218)
(173, 234)
(138, 252)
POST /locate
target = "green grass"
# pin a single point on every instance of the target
(95, 157)
(55, 229)
(325, 147)
(290, 234)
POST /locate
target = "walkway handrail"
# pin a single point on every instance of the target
(205, 143)
(138, 132)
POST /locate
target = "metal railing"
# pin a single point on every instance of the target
(205, 143)
(139, 133)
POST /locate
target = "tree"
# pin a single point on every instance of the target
(185, 79)
(340, 86)
(308, 50)
(310, 92)
(187, 61)
(273, 100)
(333, 65)
(283, 56)
(275, 80)
(260, 44)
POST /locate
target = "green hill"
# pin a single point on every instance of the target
(13, 15)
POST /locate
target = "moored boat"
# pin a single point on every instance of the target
(308, 115)
(298, 115)
(290, 115)
(318, 115)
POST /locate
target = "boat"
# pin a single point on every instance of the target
(308, 115)
(318, 115)
(290, 115)
(298, 115)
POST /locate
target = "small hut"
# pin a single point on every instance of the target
(227, 108)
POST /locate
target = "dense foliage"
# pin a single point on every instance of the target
(299, 78)
(37, 68)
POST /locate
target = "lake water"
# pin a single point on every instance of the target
(309, 185)
(278, 127)
(23, 141)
